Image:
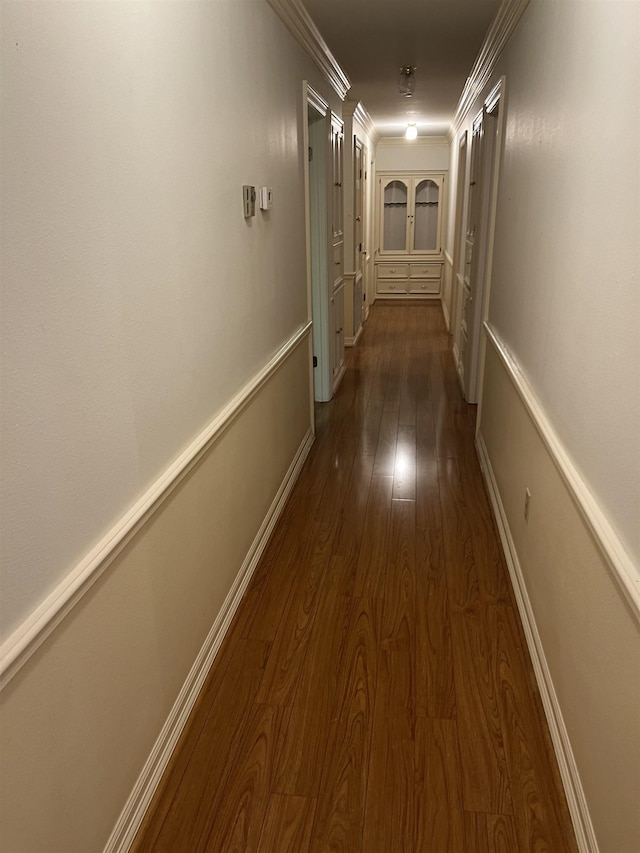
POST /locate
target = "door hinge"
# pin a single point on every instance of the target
(315, 361)
(310, 153)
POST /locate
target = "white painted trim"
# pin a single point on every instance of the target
(429, 173)
(458, 364)
(445, 312)
(133, 813)
(620, 563)
(301, 26)
(351, 342)
(315, 99)
(365, 121)
(505, 22)
(445, 308)
(576, 800)
(338, 378)
(24, 641)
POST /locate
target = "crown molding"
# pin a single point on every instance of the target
(358, 113)
(365, 121)
(348, 108)
(300, 25)
(503, 25)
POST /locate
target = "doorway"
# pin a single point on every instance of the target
(481, 205)
(458, 256)
(358, 235)
(316, 139)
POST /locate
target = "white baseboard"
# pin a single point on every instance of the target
(351, 342)
(447, 318)
(338, 378)
(136, 806)
(576, 800)
(458, 364)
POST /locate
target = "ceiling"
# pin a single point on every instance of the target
(371, 39)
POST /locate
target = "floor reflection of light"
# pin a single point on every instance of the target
(402, 463)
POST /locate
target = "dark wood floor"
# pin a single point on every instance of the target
(374, 692)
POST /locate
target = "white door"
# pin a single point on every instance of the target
(318, 205)
(483, 147)
(336, 251)
(358, 236)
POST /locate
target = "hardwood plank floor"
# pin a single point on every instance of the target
(374, 692)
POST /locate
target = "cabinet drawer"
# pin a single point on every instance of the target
(425, 270)
(388, 285)
(393, 270)
(425, 285)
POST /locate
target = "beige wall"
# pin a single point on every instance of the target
(137, 304)
(420, 155)
(565, 305)
(80, 719)
(588, 632)
(136, 298)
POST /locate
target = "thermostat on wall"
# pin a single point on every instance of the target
(266, 198)
(249, 201)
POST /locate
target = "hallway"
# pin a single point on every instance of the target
(374, 691)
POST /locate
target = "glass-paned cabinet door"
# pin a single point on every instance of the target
(426, 221)
(395, 201)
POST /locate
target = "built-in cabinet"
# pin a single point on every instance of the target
(409, 258)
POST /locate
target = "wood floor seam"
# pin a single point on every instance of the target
(374, 693)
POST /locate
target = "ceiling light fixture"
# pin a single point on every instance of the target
(407, 81)
(411, 132)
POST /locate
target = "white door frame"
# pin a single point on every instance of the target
(495, 109)
(315, 140)
(487, 127)
(457, 286)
